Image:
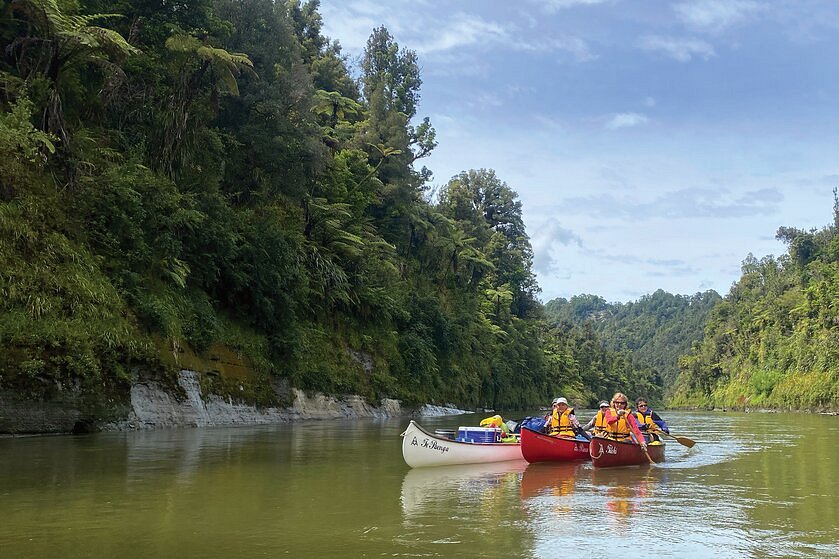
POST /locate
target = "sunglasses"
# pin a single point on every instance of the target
(622, 403)
(642, 405)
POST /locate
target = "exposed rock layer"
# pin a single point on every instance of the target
(152, 406)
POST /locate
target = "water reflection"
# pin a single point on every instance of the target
(626, 491)
(755, 485)
(463, 511)
(469, 485)
(556, 479)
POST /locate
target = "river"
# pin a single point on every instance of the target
(755, 485)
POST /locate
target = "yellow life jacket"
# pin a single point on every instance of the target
(600, 425)
(648, 432)
(619, 430)
(560, 423)
(494, 421)
(643, 419)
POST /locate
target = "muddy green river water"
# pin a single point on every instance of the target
(755, 485)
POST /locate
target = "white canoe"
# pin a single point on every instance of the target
(421, 449)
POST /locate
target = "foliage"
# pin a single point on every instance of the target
(24, 148)
(209, 173)
(590, 371)
(653, 331)
(57, 45)
(774, 340)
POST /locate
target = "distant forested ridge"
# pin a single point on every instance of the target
(204, 183)
(648, 335)
(774, 340)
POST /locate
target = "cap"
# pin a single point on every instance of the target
(603, 404)
(560, 401)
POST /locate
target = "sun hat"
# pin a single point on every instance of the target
(560, 401)
(604, 403)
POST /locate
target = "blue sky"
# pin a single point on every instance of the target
(653, 144)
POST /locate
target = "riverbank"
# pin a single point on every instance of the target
(153, 406)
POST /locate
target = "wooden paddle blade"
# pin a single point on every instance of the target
(684, 441)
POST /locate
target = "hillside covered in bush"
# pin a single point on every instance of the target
(652, 333)
(774, 340)
(208, 184)
(212, 185)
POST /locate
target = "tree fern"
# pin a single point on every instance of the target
(63, 41)
(226, 65)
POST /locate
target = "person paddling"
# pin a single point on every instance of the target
(622, 424)
(648, 420)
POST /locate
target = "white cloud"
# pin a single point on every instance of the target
(430, 35)
(350, 29)
(574, 45)
(626, 120)
(557, 5)
(485, 99)
(548, 237)
(679, 204)
(461, 30)
(715, 15)
(680, 49)
(417, 28)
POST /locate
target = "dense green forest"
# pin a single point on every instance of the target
(774, 340)
(652, 332)
(211, 177)
(190, 183)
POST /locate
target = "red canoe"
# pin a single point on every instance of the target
(538, 447)
(606, 453)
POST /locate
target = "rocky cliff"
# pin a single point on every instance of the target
(153, 406)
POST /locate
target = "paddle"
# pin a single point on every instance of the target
(634, 423)
(644, 449)
(684, 441)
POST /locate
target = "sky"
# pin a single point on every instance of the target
(653, 144)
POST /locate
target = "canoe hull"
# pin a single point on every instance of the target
(538, 447)
(422, 449)
(606, 453)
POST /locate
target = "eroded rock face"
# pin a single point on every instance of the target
(154, 408)
(19, 416)
(63, 411)
(430, 410)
